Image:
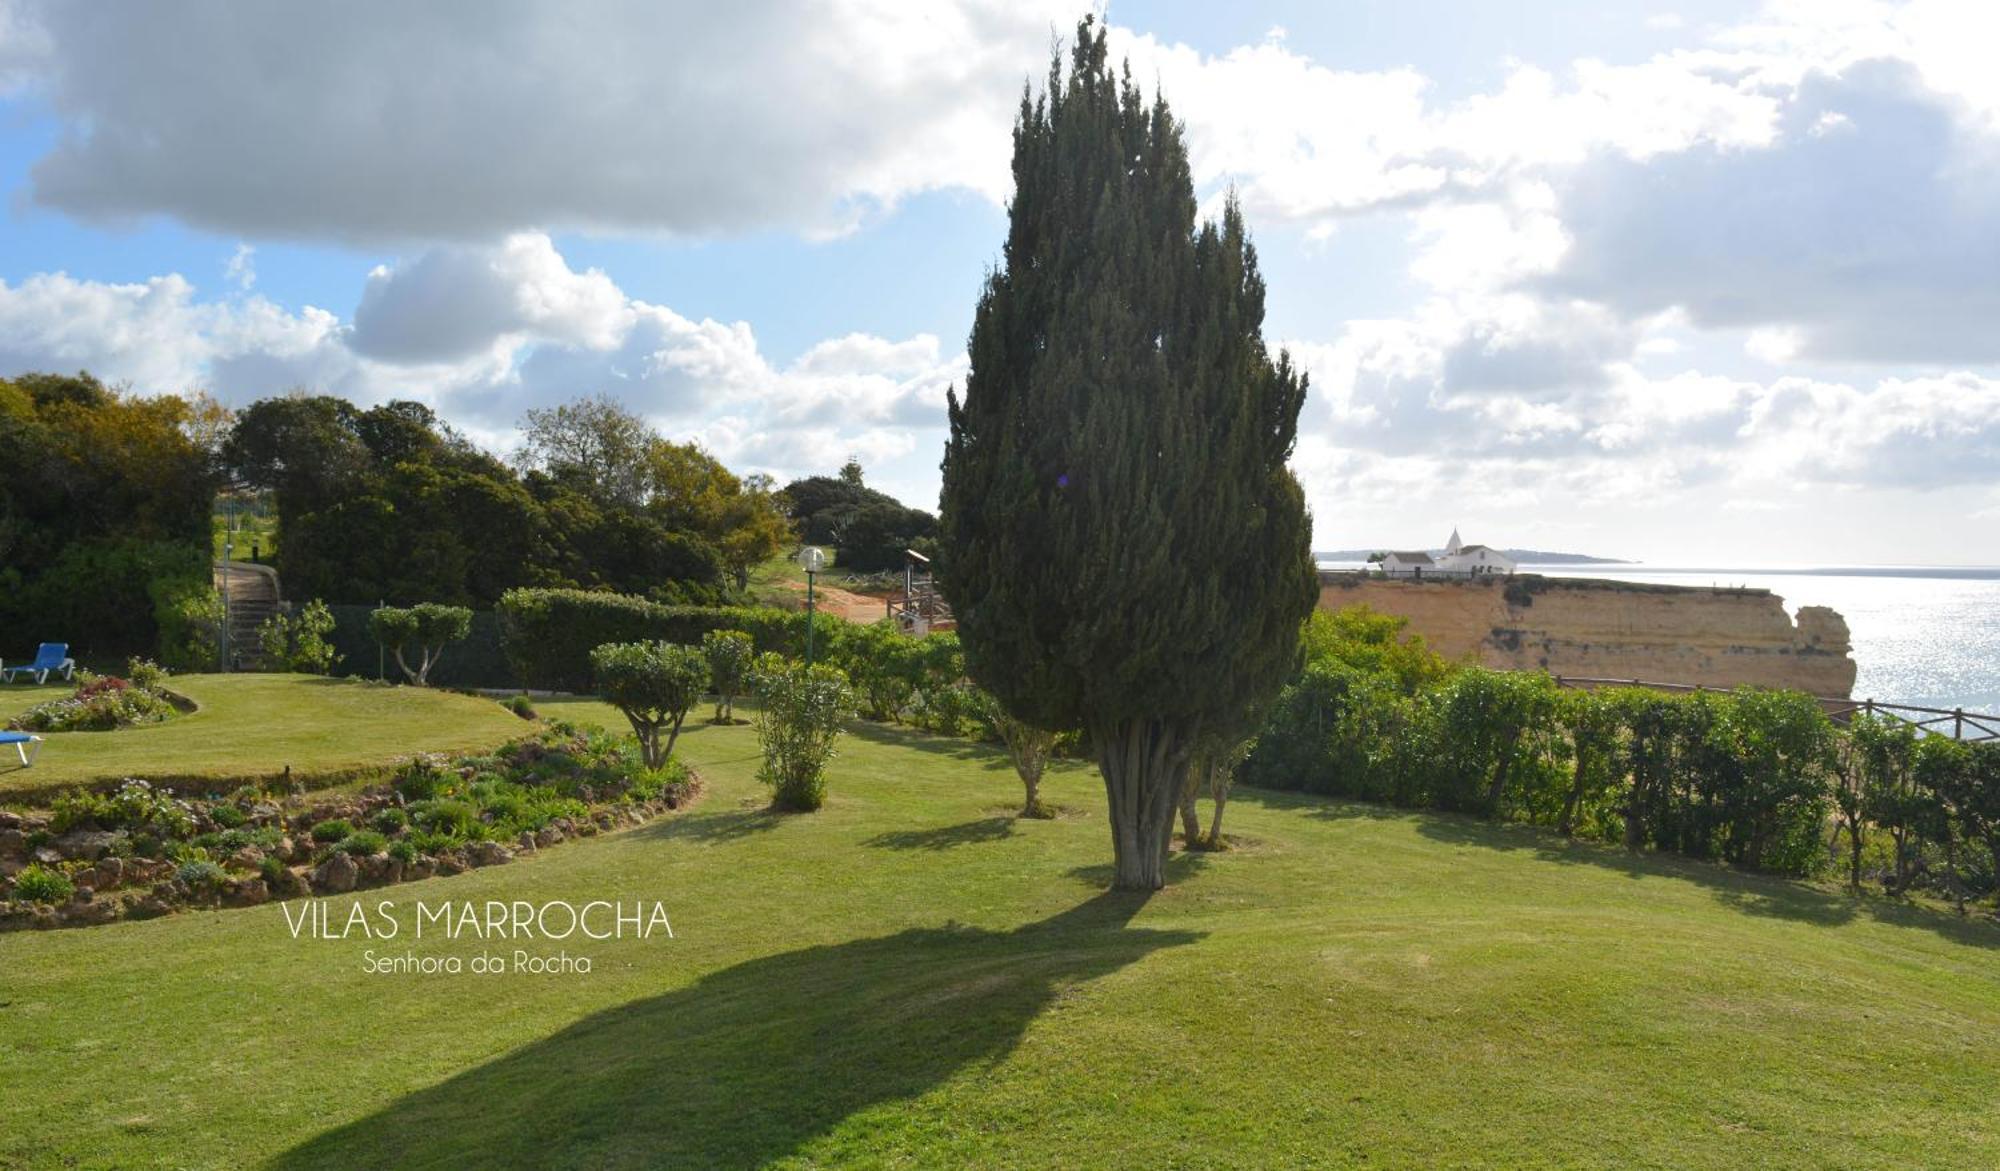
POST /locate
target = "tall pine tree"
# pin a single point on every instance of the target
(1121, 541)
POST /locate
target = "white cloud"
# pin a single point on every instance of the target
(453, 301)
(483, 334)
(466, 121)
(1875, 243)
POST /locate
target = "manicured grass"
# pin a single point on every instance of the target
(252, 726)
(912, 978)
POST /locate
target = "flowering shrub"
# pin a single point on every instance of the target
(135, 805)
(102, 703)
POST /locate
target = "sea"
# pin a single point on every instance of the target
(1924, 635)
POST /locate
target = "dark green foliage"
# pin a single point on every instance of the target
(521, 706)
(655, 685)
(869, 530)
(549, 634)
(876, 537)
(389, 819)
(1121, 541)
(103, 513)
(391, 504)
(1742, 777)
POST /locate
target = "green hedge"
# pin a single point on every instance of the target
(548, 635)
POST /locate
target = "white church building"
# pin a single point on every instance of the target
(1458, 560)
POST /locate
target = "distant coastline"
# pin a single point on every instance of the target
(1522, 556)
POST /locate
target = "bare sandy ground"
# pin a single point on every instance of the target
(851, 606)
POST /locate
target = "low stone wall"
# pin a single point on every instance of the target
(1714, 636)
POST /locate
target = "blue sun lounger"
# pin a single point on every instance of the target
(52, 657)
(21, 741)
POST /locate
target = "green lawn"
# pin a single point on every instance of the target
(911, 978)
(253, 726)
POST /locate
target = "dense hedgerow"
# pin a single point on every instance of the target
(1757, 778)
(548, 634)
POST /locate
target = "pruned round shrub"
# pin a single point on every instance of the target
(362, 843)
(389, 819)
(43, 884)
(403, 851)
(333, 829)
(654, 684)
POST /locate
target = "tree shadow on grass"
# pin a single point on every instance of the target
(1181, 866)
(1765, 895)
(753, 1062)
(946, 837)
(715, 828)
(957, 747)
(1753, 894)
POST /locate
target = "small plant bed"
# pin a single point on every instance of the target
(139, 852)
(105, 703)
(287, 732)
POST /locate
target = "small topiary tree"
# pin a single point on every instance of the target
(729, 654)
(1028, 747)
(427, 627)
(298, 642)
(655, 684)
(797, 726)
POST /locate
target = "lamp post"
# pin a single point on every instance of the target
(813, 559)
(228, 551)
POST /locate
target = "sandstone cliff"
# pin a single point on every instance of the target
(1612, 629)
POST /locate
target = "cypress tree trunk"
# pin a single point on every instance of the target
(1143, 762)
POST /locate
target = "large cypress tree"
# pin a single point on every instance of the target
(1121, 541)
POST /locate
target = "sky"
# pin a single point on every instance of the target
(1683, 282)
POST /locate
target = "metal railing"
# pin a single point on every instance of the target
(1956, 722)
